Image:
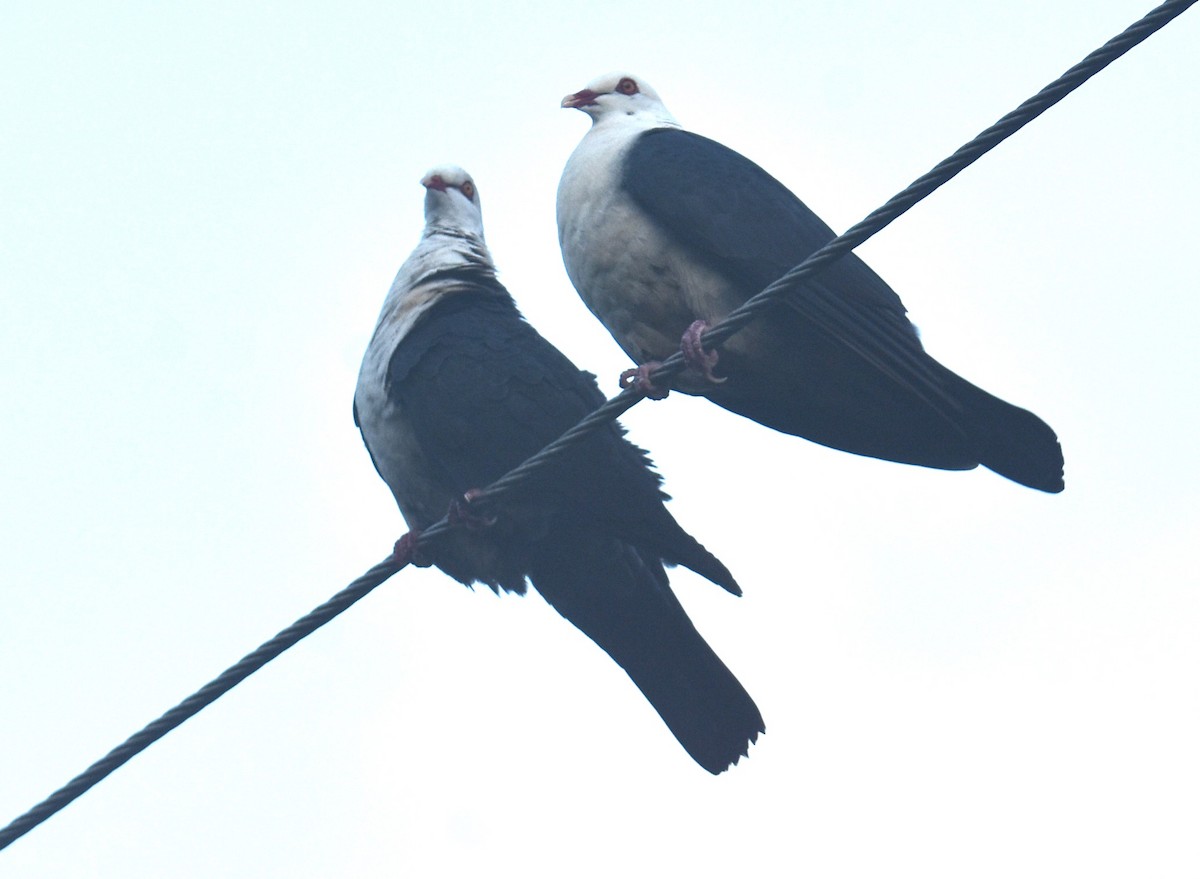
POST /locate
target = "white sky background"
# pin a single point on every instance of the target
(200, 212)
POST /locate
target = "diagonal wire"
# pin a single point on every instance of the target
(941, 173)
(203, 697)
(738, 318)
(948, 168)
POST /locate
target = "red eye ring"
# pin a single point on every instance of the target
(627, 86)
(468, 189)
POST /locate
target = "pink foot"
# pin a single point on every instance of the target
(638, 378)
(694, 354)
(407, 551)
(460, 512)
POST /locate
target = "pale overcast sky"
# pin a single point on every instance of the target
(201, 209)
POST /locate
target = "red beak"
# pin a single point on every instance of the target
(579, 100)
(434, 182)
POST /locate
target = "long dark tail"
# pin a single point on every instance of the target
(607, 591)
(1012, 441)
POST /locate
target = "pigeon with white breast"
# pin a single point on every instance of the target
(455, 390)
(664, 232)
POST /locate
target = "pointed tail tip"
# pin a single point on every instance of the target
(693, 555)
(731, 586)
(714, 570)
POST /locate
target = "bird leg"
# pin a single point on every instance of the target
(694, 354)
(639, 379)
(460, 512)
(407, 551)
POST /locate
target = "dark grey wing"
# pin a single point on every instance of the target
(732, 215)
(484, 392)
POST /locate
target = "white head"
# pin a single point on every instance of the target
(452, 201)
(621, 96)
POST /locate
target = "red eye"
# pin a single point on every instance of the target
(468, 189)
(627, 86)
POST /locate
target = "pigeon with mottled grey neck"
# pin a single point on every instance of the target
(455, 390)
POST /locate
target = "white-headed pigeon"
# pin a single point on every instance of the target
(456, 389)
(664, 232)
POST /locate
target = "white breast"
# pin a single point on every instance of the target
(638, 282)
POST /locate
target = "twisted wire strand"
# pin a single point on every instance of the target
(877, 220)
(613, 408)
(194, 703)
(944, 171)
